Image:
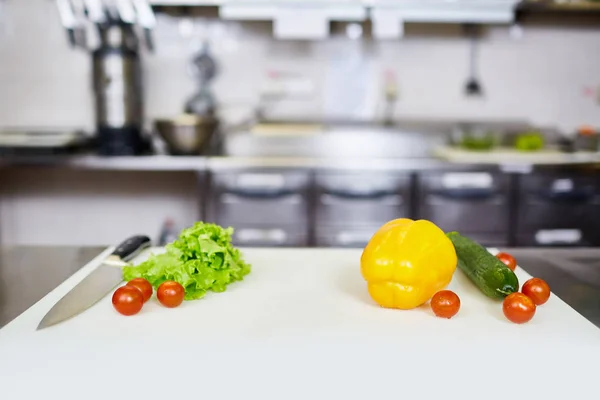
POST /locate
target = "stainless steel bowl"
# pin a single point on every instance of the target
(187, 134)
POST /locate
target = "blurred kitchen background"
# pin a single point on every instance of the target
(299, 123)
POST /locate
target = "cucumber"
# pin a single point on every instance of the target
(488, 273)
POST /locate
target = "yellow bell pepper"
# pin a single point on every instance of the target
(406, 262)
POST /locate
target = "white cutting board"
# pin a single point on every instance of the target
(300, 326)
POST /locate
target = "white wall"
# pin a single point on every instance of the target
(541, 77)
(42, 82)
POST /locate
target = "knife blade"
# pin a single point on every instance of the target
(97, 284)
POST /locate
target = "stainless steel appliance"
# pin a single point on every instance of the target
(116, 25)
(118, 90)
(204, 69)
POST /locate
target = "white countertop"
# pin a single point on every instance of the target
(300, 326)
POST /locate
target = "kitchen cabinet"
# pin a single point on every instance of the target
(344, 208)
(297, 208)
(474, 203)
(267, 208)
(558, 209)
(283, 201)
(350, 207)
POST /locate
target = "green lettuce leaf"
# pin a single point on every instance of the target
(201, 259)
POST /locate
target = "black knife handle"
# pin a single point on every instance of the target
(132, 247)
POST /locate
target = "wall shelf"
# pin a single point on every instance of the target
(436, 11)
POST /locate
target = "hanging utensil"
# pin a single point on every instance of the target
(69, 21)
(204, 69)
(95, 11)
(473, 86)
(146, 20)
(96, 16)
(203, 66)
(80, 17)
(126, 11)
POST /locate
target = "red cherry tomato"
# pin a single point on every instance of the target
(170, 294)
(445, 304)
(508, 260)
(537, 290)
(128, 300)
(143, 286)
(518, 308)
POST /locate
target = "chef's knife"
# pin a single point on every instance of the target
(97, 284)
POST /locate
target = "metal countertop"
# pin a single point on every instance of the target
(203, 163)
(223, 163)
(29, 273)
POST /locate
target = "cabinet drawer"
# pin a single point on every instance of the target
(361, 198)
(261, 182)
(558, 201)
(558, 237)
(236, 209)
(535, 214)
(567, 186)
(362, 182)
(259, 197)
(338, 209)
(465, 202)
(464, 182)
(482, 215)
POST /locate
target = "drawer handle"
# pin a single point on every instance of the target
(437, 200)
(388, 200)
(349, 237)
(250, 235)
(574, 196)
(235, 198)
(464, 180)
(259, 181)
(555, 236)
(474, 194)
